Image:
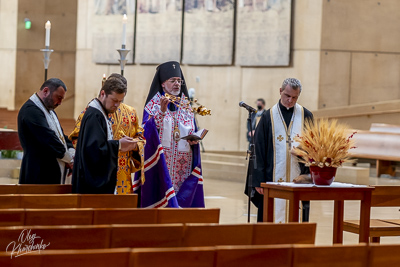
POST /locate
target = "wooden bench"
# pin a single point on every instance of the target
(384, 255)
(219, 256)
(383, 147)
(336, 255)
(35, 189)
(147, 235)
(57, 201)
(96, 216)
(249, 234)
(382, 196)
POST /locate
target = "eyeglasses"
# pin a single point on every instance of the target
(179, 81)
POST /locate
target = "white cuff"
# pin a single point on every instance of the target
(69, 156)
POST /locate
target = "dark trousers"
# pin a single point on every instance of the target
(305, 211)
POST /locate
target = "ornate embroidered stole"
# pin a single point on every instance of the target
(184, 119)
(286, 166)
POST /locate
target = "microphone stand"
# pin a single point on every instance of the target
(252, 163)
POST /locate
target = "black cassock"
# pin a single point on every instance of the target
(96, 158)
(41, 147)
(265, 156)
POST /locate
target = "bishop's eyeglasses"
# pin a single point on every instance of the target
(178, 81)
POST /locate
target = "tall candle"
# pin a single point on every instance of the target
(124, 21)
(47, 26)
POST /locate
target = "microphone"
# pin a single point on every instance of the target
(244, 105)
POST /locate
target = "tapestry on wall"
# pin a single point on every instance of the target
(159, 31)
(107, 28)
(263, 32)
(208, 32)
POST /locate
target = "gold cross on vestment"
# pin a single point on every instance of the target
(289, 141)
(280, 138)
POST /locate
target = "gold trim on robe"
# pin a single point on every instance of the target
(124, 122)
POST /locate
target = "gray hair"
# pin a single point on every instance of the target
(292, 82)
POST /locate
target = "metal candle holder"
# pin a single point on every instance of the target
(46, 60)
(122, 61)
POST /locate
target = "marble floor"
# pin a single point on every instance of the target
(229, 197)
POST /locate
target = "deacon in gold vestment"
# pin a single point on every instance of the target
(124, 122)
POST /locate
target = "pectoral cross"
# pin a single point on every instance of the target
(289, 141)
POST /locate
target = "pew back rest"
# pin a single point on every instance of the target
(108, 201)
(384, 255)
(188, 215)
(239, 256)
(336, 255)
(385, 196)
(284, 233)
(216, 234)
(376, 145)
(59, 217)
(57, 237)
(144, 235)
(125, 216)
(174, 257)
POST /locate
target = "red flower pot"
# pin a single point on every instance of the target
(322, 176)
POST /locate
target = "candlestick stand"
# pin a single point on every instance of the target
(122, 61)
(46, 60)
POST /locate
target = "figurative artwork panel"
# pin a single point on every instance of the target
(263, 32)
(208, 32)
(107, 29)
(158, 31)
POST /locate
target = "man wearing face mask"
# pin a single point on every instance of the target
(47, 151)
(172, 165)
(273, 142)
(95, 170)
(255, 118)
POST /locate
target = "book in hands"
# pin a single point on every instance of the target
(197, 136)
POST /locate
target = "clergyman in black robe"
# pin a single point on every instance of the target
(96, 159)
(47, 151)
(264, 145)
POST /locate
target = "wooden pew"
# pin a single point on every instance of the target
(384, 255)
(56, 201)
(174, 257)
(197, 235)
(87, 257)
(187, 215)
(330, 256)
(49, 201)
(381, 146)
(57, 237)
(134, 236)
(65, 258)
(35, 189)
(285, 233)
(88, 216)
(382, 196)
(240, 256)
(249, 234)
(43, 189)
(126, 216)
(58, 217)
(12, 217)
(107, 201)
(144, 235)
